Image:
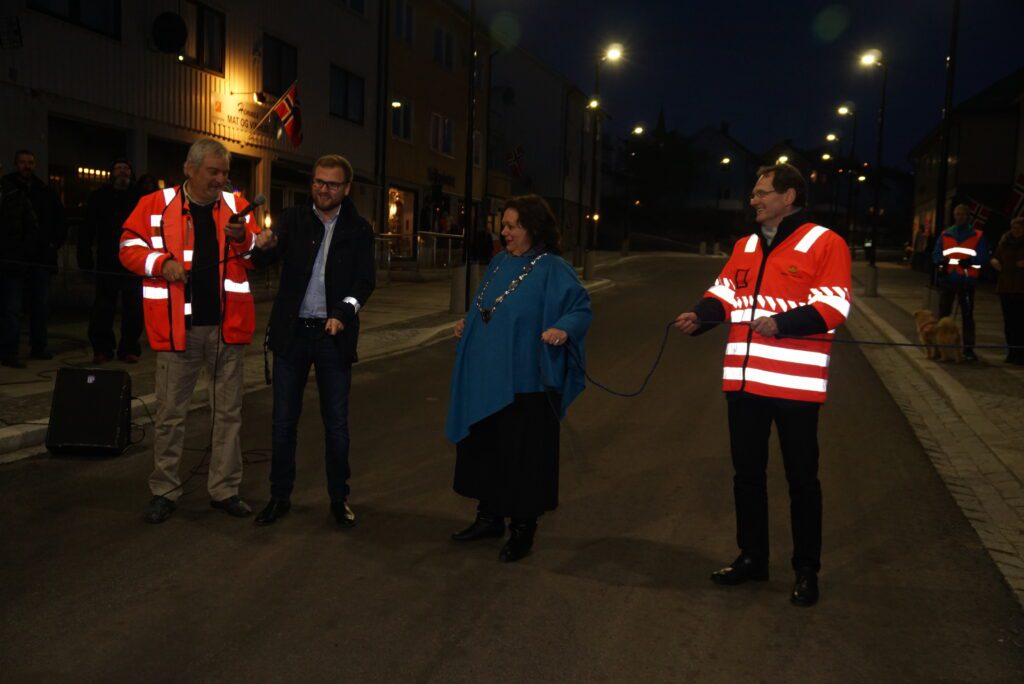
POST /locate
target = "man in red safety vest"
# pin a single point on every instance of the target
(784, 290)
(191, 248)
(959, 254)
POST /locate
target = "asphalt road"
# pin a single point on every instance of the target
(617, 586)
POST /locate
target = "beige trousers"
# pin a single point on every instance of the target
(176, 376)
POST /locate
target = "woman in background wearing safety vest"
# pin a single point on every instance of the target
(959, 254)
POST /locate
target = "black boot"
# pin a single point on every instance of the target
(486, 526)
(520, 541)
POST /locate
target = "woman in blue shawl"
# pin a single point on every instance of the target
(518, 365)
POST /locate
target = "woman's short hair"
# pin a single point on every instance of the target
(784, 177)
(537, 219)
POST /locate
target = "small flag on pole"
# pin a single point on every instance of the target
(288, 111)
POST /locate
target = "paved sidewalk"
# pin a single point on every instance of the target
(969, 416)
(399, 317)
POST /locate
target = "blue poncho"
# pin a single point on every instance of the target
(494, 361)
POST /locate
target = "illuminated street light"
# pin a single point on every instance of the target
(396, 104)
(861, 179)
(594, 104)
(726, 161)
(826, 156)
(613, 53)
(831, 137)
(844, 110)
(638, 130)
(782, 159)
(871, 58)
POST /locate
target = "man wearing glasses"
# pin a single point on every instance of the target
(784, 290)
(327, 274)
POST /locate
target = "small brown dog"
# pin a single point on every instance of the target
(947, 335)
(941, 337)
(926, 332)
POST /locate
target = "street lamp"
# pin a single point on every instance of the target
(847, 110)
(831, 137)
(826, 156)
(725, 161)
(638, 130)
(613, 53)
(782, 159)
(873, 59)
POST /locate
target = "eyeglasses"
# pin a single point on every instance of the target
(761, 194)
(330, 185)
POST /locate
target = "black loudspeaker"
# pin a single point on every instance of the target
(90, 413)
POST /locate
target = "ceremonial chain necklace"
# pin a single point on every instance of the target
(486, 314)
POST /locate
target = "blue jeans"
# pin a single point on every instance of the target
(36, 279)
(310, 347)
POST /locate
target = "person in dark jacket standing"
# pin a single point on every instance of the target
(34, 249)
(327, 274)
(1009, 262)
(959, 254)
(98, 247)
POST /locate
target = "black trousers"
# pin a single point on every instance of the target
(964, 294)
(750, 423)
(110, 288)
(1013, 324)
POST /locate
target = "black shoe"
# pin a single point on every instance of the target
(343, 514)
(520, 541)
(42, 355)
(233, 506)
(805, 589)
(969, 355)
(743, 569)
(12, 362)
(486, 526)
(160, 509)
(272, 512)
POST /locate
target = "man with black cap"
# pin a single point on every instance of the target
(105, 214)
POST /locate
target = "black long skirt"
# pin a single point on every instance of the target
(509, 461)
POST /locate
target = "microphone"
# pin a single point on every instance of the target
(257, 201)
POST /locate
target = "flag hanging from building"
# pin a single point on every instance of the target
(1016, 206)
(288, 111)
(979, 215)
(514, 159)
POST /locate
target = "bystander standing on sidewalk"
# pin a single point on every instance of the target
(98, 245)
(1009, 262)
(959, 254)
(34, 244)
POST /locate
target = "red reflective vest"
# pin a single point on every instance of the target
(811, 267)
(160, 228)
(966, 250)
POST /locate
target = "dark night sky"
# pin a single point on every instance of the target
(773, 70)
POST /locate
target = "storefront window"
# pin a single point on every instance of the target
(401, 216)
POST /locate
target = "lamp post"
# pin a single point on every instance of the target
(850, 111)
(873, 59)
(612, 54)
(632, 206)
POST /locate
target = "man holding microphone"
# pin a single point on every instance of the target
(191, 243)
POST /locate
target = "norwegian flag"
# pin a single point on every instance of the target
(979, 215)
(1016, 206)
(288, 111)
(514, 159)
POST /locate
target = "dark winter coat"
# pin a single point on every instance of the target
(349, 272)
(100, 237)
(39, 246)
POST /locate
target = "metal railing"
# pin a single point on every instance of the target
(429, 254)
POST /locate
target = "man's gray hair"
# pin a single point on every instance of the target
(203, 148)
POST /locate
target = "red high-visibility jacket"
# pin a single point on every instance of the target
(160, 228)
(810, 267)
(960, 253)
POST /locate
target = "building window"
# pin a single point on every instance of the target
(404, 20)
(280, 65)
(478, 144)
(204, 46)
(401, 119)
(444, 48)
(347, 94)
(441, 134)
(102, 16)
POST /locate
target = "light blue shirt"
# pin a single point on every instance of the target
(314, 304)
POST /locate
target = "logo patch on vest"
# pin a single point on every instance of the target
(741, 277)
